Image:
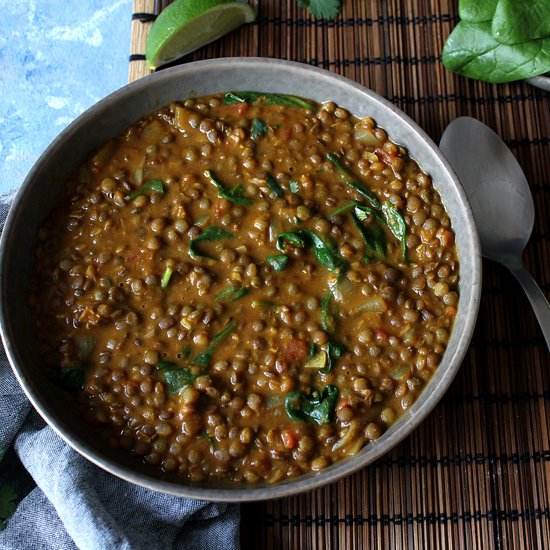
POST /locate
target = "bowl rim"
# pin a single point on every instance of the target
(300, 484)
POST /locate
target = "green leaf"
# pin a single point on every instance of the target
(259, 128)
(70, 378)
(476, 11)
(374, 238)
(267, 99)
(326, 9)
(232, 293)
(327, 320)
(324, 250)
(397, 225)
(210, 234)
(274, 186)
(85, 344)
(277, 261)
(472, 51)
(203, 358)
(343, 209)
(318, 407)
(8, 496)
(291, 237)
(235, 195)
(175, 377)
(517, 21)
(152, 185)
(372, 199)
(209, 438)
(166, 277)
(294, 186)
(334, 352)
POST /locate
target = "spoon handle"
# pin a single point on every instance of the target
(536, 297)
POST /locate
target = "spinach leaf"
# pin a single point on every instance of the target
(232, 293)
(472, 51)
(342, 209)
(397, 226)
(177, 378)
(292, 237)
(327, 320)
(374, 237)
(334, 352)
(294, 186)
(475, 11)
(210, 234)
(277, 261)
(70, 378)
(318, 407)
(209, 438)
(323, 249)
(166, 277)
(517, 21)
(153, 185)
(267, 99)
(235, 195)
(203, 358)
(274, 186)
(372, 199)
(259, 128)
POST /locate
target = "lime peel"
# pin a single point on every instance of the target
(186, 25)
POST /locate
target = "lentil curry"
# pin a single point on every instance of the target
(246, 286)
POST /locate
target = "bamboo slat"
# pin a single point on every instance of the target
(476, 473)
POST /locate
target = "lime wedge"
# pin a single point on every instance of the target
(186, 25)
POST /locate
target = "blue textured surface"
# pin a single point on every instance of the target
(57, 58)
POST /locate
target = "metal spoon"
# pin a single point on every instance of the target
(501, 201)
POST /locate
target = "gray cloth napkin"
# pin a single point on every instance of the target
(65, 502)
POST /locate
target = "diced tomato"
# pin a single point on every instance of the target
(294, 350)
(237, 109)
(218, 210)
(286, 133)
(342, 404)
(381, 336)
(289, 439)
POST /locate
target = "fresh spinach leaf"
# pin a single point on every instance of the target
(235, 195)
(374, 237)
(231, 293)
(210, 234)
(327, 319)
(267, 99)
(317, 407)
(334, 352)
(292, 237)
(517, 21)
(176, 378)
(472, 51)
(476, 11)
(323, 249)
(274, 186)
(372, 199)
(277, 261)
(397, 225)
(203, 358)
(259, 128)
(152, 185)
(70, 378)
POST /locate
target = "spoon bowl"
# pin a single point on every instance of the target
(500, 198)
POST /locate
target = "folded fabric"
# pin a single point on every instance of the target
(66, 502)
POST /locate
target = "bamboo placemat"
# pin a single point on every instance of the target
(476, 474)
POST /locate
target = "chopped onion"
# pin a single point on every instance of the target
(349, 436)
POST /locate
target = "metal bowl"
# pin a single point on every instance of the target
(112, 116)
(542, 82)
